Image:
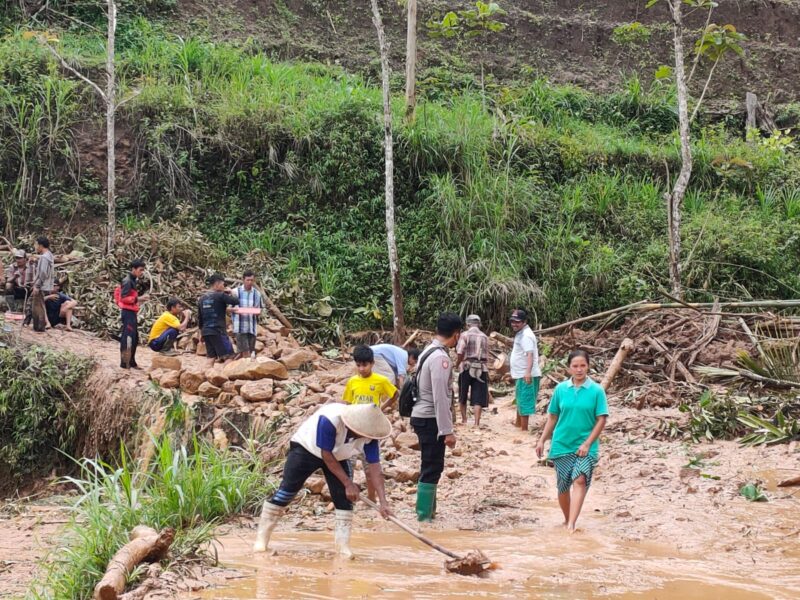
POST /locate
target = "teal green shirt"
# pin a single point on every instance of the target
(577, 409)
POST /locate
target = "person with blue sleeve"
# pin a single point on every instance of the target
(327, 440)
(576, 417)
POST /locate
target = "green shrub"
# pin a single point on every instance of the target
(39, 414)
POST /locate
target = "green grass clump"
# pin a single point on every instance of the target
(39, 414)
(191, 489)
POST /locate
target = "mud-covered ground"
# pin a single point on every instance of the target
(663, 519)
(651, 525)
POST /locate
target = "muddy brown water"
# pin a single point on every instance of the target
(543, 563)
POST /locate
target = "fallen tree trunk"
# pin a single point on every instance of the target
(625, 347)
(146, 545)
(501, 338)
(645, 306)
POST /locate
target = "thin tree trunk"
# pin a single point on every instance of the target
(110, 125)
(411, 60)
(675, 198)
(394, 266)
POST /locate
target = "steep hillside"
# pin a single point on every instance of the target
(528, 193)
(569, 41)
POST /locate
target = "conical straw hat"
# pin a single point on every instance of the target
(367, 420)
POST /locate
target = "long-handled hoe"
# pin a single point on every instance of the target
(473, 562)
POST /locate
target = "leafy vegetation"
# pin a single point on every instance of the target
(38, 412)
(533, 194)
(191, 489)
(755, 420)
(753, 492)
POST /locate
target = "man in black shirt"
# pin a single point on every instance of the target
(211, 318)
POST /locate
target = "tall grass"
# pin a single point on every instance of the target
(551, 197)
(191, 489)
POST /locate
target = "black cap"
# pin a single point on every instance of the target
(519, 315)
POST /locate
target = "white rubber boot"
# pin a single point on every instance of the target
(270, 513)
(344, 525)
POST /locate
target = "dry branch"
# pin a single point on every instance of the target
(146, 545)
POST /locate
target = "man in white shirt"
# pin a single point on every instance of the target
(524, 367)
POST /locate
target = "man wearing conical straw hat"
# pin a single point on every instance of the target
(327, 440)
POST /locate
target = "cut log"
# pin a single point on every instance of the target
(625, 347)
(146, 545)
(501, 338)
(501, 364)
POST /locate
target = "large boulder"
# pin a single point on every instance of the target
(208, 390)
(407, 440)
(257, 391)
(161, 361)
(170, 380)
(295, 359)
(252, 369)
(216, 376)
(191, 380)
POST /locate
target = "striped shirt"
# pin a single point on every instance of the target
(247, 299)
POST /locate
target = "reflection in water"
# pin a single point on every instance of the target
(547, 564)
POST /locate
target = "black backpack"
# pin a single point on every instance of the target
(409, 392)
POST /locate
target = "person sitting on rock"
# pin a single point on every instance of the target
(59, 307)
(19, 280)
(211, 317)
(165, 330)
(326, 440)
(366, 387)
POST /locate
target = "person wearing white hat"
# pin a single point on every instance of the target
(327, 440)
(18, 281)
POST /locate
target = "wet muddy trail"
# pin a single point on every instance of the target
(652, 527)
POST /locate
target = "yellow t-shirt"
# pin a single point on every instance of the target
(363, 390)
(164, 322)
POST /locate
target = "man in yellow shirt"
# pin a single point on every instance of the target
(166, 328)
(365, 388)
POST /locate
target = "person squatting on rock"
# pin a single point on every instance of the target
(42, 283)
(431, 417)
(394, 362)
(367, 387)
(211, 316)
(128, 299)
(524, 367)
(327, 440)
(245, 327)
(19, 281)
(59, 307)
(168, 326)
(576, 417)
(473, 360)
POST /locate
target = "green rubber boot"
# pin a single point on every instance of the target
(426, 500)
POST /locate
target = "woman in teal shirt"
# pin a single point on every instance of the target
(576, 417)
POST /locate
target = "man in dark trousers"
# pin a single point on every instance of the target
(42, 283)
(432, 417)
(127, 298)
(211, 319)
